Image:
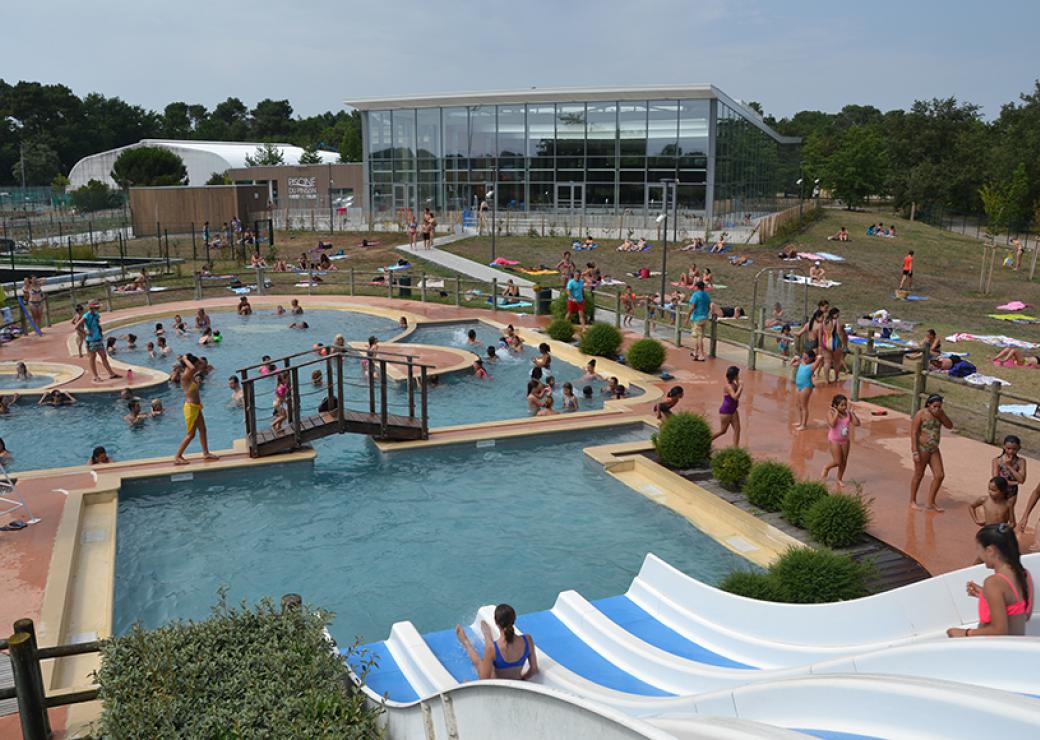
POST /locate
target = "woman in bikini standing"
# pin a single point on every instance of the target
(925, 435)
(833, 342)
(193, 418)
(35, 300)
(506, 656)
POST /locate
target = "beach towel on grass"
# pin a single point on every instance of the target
(742, 264)
(1019, 409)
(1016, 318)
(802, 280)
(809, 256)
(393, 268)
(240, 291)
(611, 281)
(831, 257)
(916, 298)
(993, 340)
(980, 379)
(1014, 306)
(516, 304)
(503, 262)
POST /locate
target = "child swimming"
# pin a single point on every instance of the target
(478, 369)
(157, 407)
(471, 337)
(570, 401)
(135, 416)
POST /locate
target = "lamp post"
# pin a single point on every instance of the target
(667, 185)
(816, 192)
(489, 192)
(801, 200)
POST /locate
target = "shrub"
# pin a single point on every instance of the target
(807, 576)
(767, 484)
(838, 520)
(761, 586)
(799, 498)
(558, 307)
(683, 441)
(244, 672)
(601, 339)
(731, 466)
(645, 355)
(561, 330)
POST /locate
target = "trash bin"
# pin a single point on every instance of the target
(404, 284)
(544, 301)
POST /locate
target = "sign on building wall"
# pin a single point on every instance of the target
(303, 188)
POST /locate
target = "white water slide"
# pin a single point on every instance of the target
(673, 657)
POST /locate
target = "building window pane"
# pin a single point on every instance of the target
(512, 135)
(482, 132)
(693, 133)
(456, 137)
(429, 137)
(404, 139)
(380, 136)
(541, 136)
(632, 129)
(663, 129)
(570, 134)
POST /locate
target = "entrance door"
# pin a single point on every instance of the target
(570, 197)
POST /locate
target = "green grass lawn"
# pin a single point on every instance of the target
(946, 270)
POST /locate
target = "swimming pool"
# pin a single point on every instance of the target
(430, 535)
(97, 419)
(9, 381)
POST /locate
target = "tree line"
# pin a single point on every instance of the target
(939, 154)
(55, 128)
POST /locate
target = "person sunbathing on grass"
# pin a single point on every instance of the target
(626, 246)
(1014, 357)
(816, 273)
(719, 246)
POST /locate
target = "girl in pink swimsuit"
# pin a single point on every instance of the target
(729, 415)
(839, 418)
(1006, 597)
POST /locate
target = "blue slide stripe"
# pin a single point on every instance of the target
(566, 649)
(627, 614)
(385, 677)
(449, 652)
(834, 734)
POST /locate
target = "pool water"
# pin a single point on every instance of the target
(97, 419)
(427, 535)
(10, 381)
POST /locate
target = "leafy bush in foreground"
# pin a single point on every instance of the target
(645, 355)
(731, 466)
(243, 672)
(807, 576)
(561, 330)
(838, 520)
(600, 339)
(799, 499)
(761, 586)
(683, 441)
(767, 484)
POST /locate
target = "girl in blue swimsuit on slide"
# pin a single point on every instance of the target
(505, 657)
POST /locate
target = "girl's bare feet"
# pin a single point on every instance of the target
(210, 456)
(916, 506)
(935, 508)
(840, 484)
(799, 428)
(179, 461)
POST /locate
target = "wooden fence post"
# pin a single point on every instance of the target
(458, 291)
(32, 707)
(677, 338)
(494, 294)
(992, 412)
(919, 385)
(27, 626)
(351, 281)
(713, 344)
(108, 293)
(617, 308)
(857, 368)
(751, 354)
(422, 292)
(646, 319)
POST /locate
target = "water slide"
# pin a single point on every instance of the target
(672, 649)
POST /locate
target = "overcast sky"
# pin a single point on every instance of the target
(789, 55)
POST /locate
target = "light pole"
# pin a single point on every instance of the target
(489, 192)
(667, 186)
(816, 192)
(798, 182)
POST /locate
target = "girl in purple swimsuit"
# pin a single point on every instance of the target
(729, 416)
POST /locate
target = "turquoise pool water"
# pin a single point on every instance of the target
(11, 382)
(424, 535)
(98, 419)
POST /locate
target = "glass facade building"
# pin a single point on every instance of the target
(571, 151)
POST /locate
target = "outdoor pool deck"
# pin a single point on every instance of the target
(880, 459)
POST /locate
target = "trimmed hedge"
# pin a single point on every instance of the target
(761, 586)
(683, 441)
(558, 307)
(807, 576)
(839, 520)
(645, 355)
(600, 339)
(731, 466)
(799, 498)
(768, 483)
(243, 672)
(561, 330)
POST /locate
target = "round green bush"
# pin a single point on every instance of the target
(600, 339)
(838, 520)
(807, 576)
(767, 484)
(645, 355)
(799, 498)
(683, 441)
(558, 307)
(761, 586)
(561, 330)
(731, 466)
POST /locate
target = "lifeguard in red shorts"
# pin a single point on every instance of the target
(576, 298)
